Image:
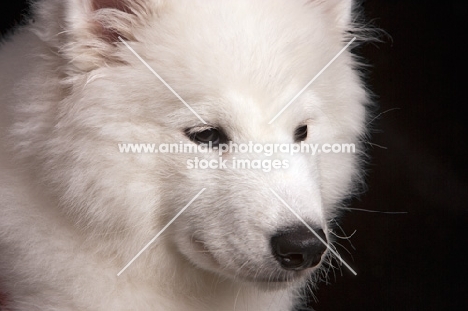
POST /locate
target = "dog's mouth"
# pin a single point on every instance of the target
(273, 275)
(279, 278)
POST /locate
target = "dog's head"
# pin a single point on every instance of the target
(237, 64)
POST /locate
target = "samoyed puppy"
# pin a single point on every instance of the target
(85, 226)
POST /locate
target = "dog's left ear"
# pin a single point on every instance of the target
(108, 19)
(93, 27)
(340, 11)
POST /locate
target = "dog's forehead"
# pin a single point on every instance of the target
(250, 58)
(242, 42)
(260, 106)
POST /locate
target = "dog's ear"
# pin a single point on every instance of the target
(106, 20)
(93, 27)
(340, 10)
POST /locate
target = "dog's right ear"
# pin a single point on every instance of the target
(93, 27)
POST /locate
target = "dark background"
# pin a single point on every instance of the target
(417, 260)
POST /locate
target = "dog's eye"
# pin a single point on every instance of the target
(212, 135)
(206, 136)
(300, 134)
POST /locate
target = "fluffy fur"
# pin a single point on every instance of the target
(74, 210)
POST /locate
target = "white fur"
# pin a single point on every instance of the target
(74, 210)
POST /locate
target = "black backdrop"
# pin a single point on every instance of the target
(413, 261)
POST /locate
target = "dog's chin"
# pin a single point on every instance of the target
(268, 279)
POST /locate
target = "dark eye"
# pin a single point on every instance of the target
(206, 136)
(300, 134)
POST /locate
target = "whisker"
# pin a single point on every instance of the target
(342, 237)
(380, 114)
(376, 145)
(372, 211)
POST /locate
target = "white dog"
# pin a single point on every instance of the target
(75, 211)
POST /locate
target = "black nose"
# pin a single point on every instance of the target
(297, 248)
